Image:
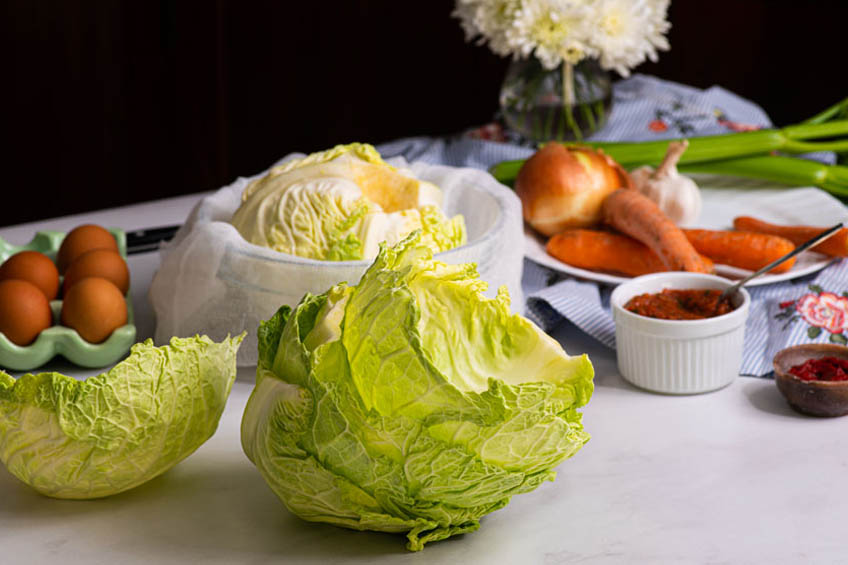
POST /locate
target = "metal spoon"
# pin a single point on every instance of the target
(803, 247)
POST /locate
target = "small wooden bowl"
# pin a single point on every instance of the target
(816, 398)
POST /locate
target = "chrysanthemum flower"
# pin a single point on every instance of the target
(626, 32)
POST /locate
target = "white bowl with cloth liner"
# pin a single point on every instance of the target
(678, 356)
(212, 281)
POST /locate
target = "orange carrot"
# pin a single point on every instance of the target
(835, 246)
(605, 251)
(747, 250)
(636, 215)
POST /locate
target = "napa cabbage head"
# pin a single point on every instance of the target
(410, 403)
(111, 432)
(340, 204)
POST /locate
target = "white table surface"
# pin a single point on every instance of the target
(733, 476)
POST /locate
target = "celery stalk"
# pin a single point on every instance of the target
(793, 171)
(745, 153)
(785, 170)
(791, 139)
(838, 110)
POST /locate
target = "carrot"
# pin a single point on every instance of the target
(636, 215)
(605, 251)
(835, 246)
(748, 250)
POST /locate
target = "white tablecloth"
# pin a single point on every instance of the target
(733, 476)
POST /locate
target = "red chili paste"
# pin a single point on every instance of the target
(672, 304)
(823, 369)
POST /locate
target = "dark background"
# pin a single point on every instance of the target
(107, 103)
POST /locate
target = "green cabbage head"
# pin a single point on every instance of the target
(94, 438)
(410, 403)
(340, 204)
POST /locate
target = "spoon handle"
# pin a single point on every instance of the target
(803, 247)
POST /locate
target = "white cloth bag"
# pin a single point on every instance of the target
(212, 281)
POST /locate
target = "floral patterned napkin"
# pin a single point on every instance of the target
(810, 309)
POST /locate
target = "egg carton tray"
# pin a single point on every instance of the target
(59, 339)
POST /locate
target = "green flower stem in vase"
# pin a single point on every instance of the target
(567, 103)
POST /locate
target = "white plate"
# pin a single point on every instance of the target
(810, 206)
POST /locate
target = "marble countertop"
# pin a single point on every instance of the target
(733, 476)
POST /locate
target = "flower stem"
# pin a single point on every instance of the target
(601, 111)
(568, 83)
(560, 132)
(568, 99)
(590, 117)
(549, 122)
(588, 107)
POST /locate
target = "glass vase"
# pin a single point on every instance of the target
(568, 103)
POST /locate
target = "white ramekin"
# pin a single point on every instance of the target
(678, 356)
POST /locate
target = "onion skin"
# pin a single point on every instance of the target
(563, 187)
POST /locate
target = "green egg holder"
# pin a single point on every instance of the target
(58, 339)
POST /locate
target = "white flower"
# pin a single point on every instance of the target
(466, 12)
(626, 32)
(620, 33)
(552, 30)
(488, 21)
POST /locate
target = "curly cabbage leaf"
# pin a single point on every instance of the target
(114, 431)
(340, 204)
(410, 403)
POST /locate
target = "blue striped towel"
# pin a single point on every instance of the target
(810, 309)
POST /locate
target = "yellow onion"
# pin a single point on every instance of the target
(563, 186)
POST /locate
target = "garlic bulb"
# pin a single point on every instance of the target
(677, 196)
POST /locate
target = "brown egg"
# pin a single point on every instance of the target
(81, 239)
(34, 267)
(24, 311)
(94, 307)
(103, 263)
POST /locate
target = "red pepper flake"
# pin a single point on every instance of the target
(823, 369)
